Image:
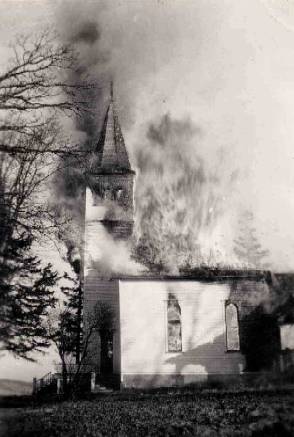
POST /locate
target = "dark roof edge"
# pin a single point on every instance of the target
(206, 275)
(111, 171)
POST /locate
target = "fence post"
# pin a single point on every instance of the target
(282, 366)
(34, 385)
(58, 386)
(241, 367)
(93, 380)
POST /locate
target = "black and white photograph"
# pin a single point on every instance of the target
(146, 218)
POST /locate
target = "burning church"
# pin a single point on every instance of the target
(166, 329)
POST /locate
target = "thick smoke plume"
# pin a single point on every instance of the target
(81, 28)
(71, 180)
(184, 195)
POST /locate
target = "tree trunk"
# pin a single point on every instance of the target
(79, 325)
(64, 380)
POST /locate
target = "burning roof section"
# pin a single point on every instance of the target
(111, 153)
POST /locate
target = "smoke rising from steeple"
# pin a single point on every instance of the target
(161, 63)
(88, 33)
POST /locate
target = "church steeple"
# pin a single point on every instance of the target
(111, 154)
(110, 199)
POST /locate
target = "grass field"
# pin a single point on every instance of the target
(203, 414)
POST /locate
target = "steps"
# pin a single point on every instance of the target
(99, 388)
(107, 383)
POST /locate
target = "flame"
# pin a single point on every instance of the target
(180, 202)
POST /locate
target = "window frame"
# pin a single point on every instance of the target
(227, 304)
(167, 326)
(119, 197)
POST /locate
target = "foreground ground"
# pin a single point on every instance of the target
(194, 414)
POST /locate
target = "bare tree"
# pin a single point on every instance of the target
(35, 89)
(60, 327)
(35, 93)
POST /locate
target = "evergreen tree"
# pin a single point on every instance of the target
(27, 293)
(71, 318)
(247, 247)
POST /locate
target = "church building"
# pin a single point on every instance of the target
(166, 330)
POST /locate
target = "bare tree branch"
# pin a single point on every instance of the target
(34, 96)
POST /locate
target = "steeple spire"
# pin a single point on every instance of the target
(111, 151)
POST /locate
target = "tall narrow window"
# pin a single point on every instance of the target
(174, 328)
(118, 194)
(232, 327)
(107, 194)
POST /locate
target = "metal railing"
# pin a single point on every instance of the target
(73, 368)
(86, 375)
(45, 381)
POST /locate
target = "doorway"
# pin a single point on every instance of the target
(106, 353)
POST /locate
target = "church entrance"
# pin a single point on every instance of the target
(106, 357)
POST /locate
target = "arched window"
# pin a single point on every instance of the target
(174, 326)
(232, 327)
(107, 194)
(118, 194)
(96, 199)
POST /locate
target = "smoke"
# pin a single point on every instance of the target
(110, 257)
(104, 253)
(83, 35)
(87, 33)
(180, 201)
(185, 193)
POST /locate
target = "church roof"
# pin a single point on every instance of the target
(111, 155)
(205, 274)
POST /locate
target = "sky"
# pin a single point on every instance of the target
(228, 66)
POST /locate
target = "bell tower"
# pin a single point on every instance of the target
(109, 193)
(109, 221)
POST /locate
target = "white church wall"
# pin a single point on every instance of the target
(144, 345)
(287, 336)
